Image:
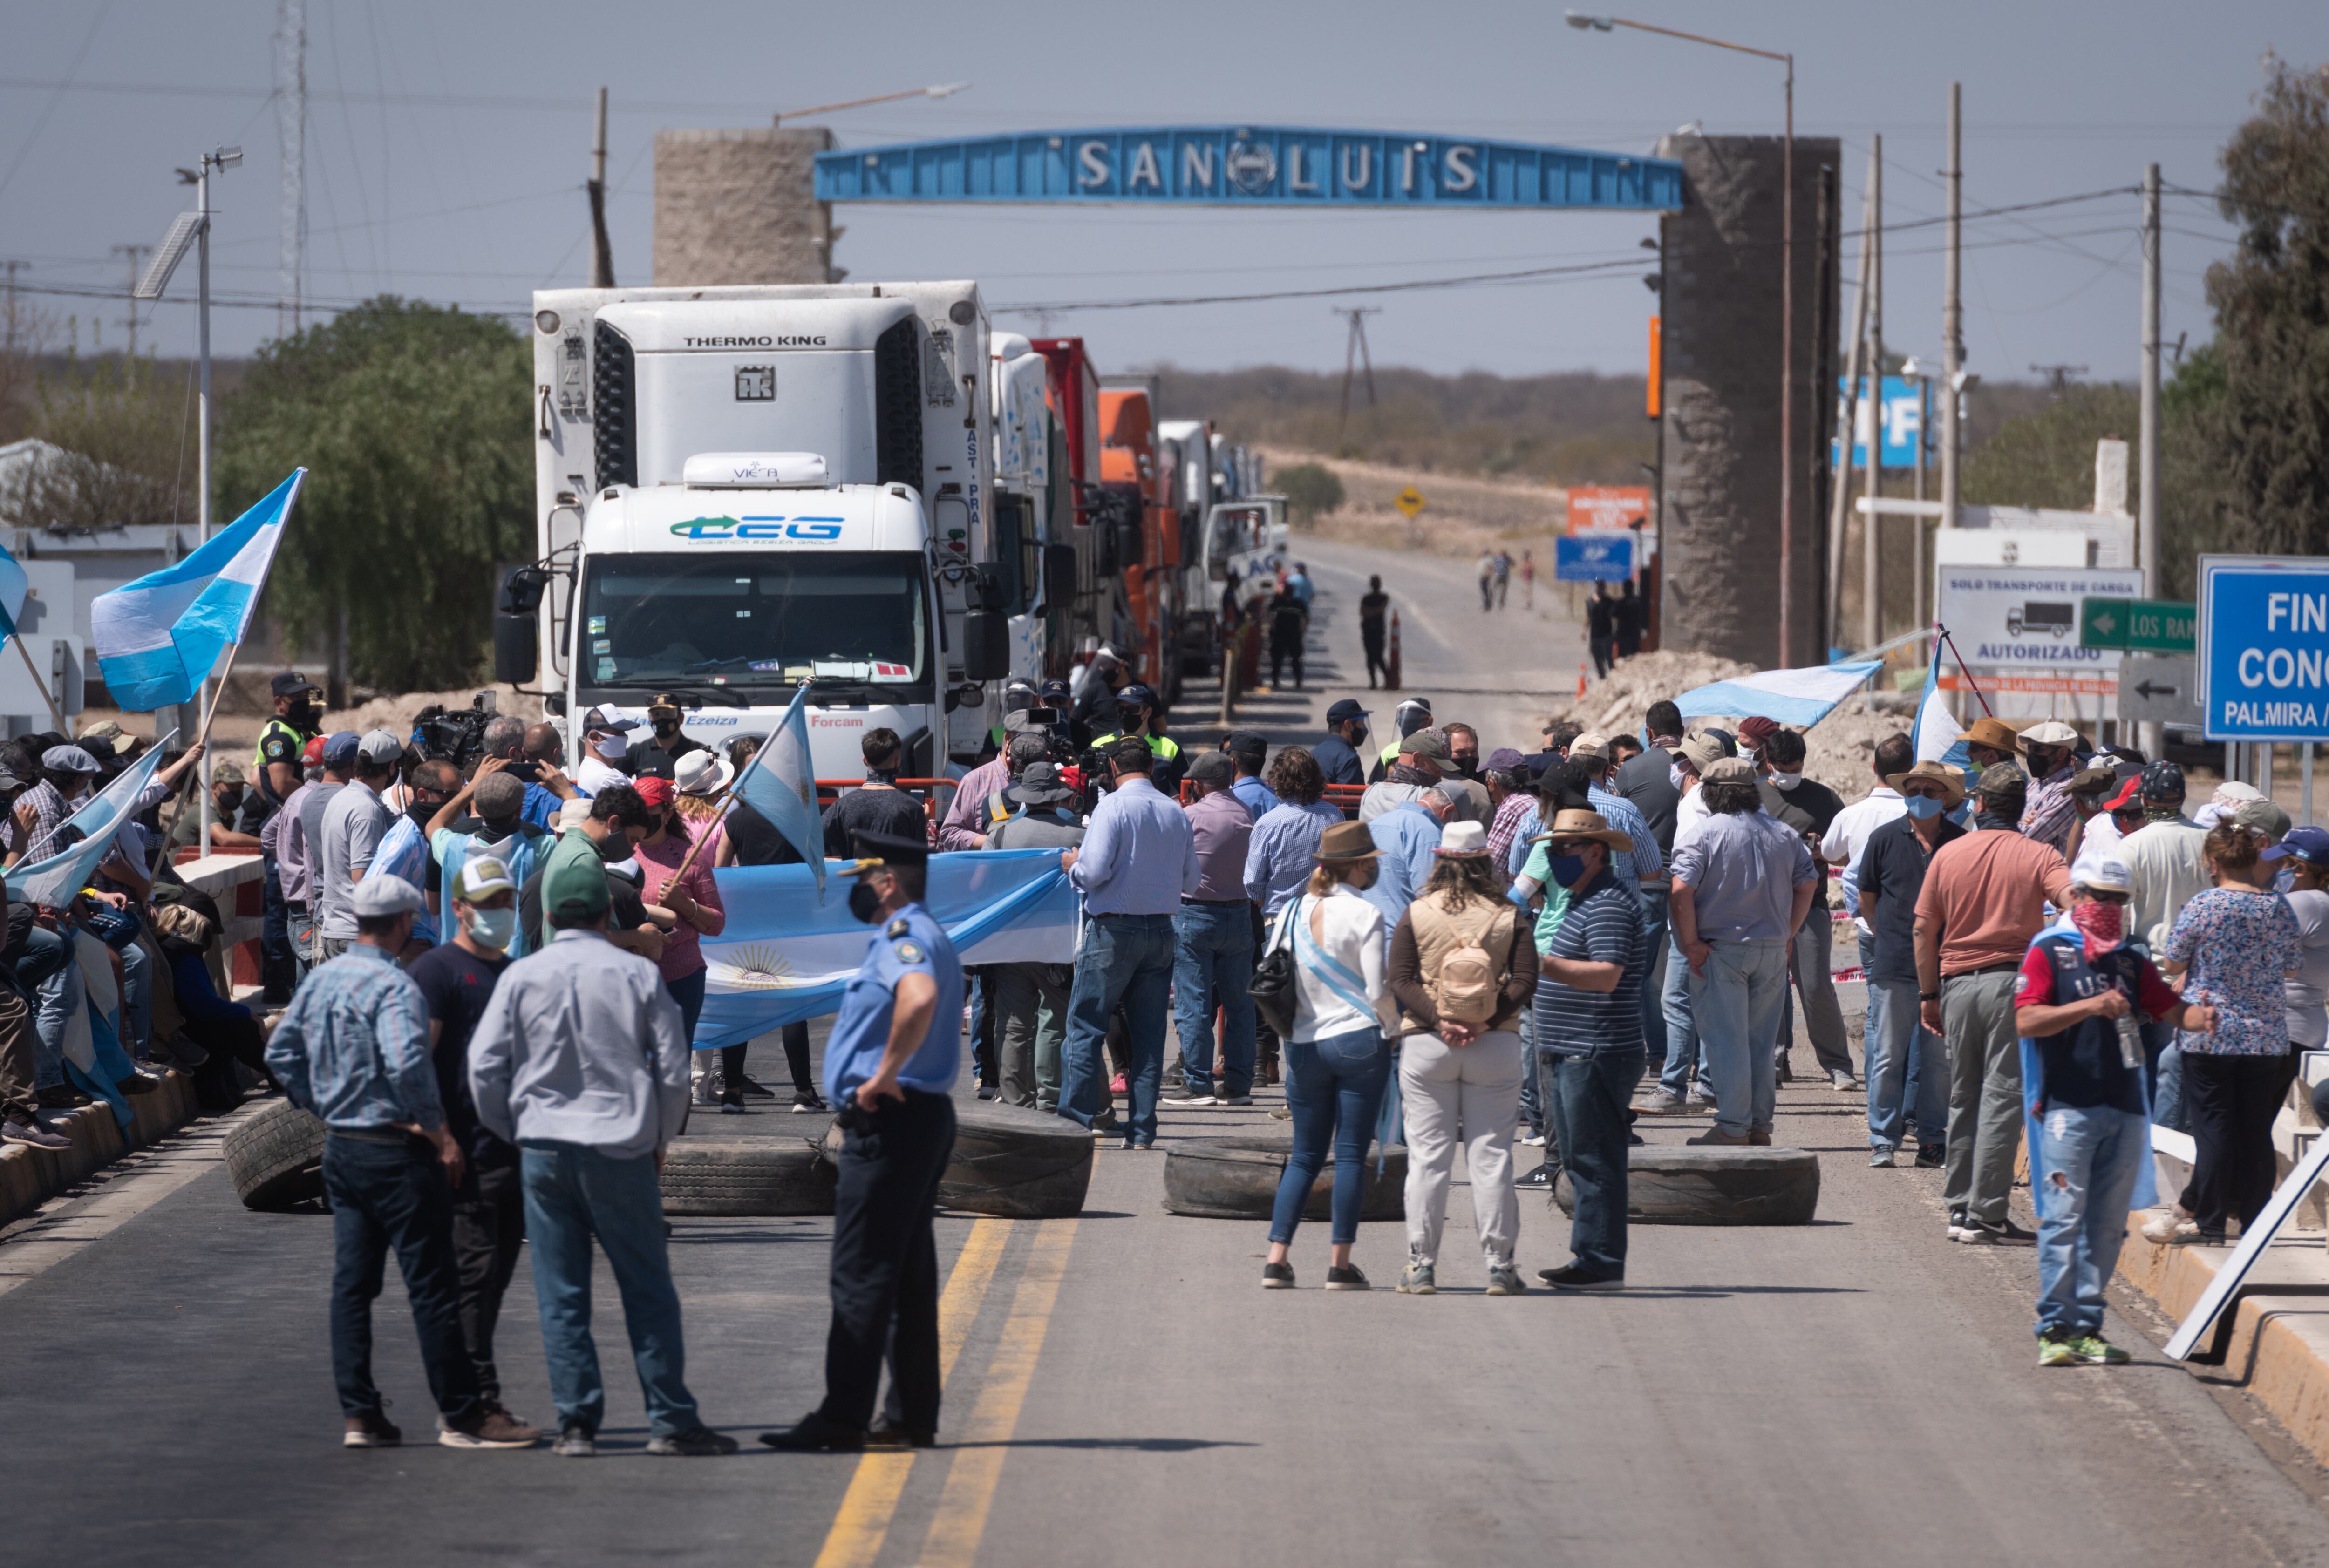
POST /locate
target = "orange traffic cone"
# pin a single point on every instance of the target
(1581, 681)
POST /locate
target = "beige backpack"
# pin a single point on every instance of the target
(1465, 990)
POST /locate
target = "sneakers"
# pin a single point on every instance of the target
(1661, 1101)
(1503, 1279)
(1956, 1224)
(731, 1103)
(1759, 1137)
(490, 1428)
(2061, 1347)
(1116, 1085)
(1699, 1105)
(696, 1442)
(1718, 1138)
(2170, 1225)
(754, 1090)
(1880, 1157)
(1931, 1156)
(1281, 1113)
(2055, 1350)
(2005, 1233)
(371, 1430)
(2096, 1351)
(1841, 1081)
(1533, 1141)
(1540, 1176)
(806, 1103)
(813, 1434)
(575, 1441)
(1185, 1095)
(1346, 1278)
(1569, 1277)
(1278, 1276)
(1416, 1279)
(705, 1092)
(32, 1135)
(1781, 1073)
(1233, 1100)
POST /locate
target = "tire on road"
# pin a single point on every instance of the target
(1237, 1179)
(1010, 1161)
(781, 1175)
(1667, 1184)
(276, 1158)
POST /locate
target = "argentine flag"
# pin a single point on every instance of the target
(58, 879)
(1936, 732)
(159, 638)
(13, 585)
(780, 784)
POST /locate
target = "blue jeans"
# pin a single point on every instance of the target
(1531, 1109)
(394, 1194)
(1334, 1087)
(1867, 1020)
(1212, 944)
(1588, 1096)
(2166, 1078)
(1654, 979)
(1906, 1070)
(1126, 959)
(137, 1000)
(59, 995)
(1683, 1048)
(572, 1192)
(687, 990)
(1736, 1007)
(2092, 1159)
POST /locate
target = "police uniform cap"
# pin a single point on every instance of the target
(1137, 695)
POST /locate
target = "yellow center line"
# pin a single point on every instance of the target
(863, 1519)
(960, 1522)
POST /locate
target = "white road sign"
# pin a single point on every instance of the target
(2017, 631)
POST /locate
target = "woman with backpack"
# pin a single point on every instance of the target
(1462, 965)
(1337, 1054)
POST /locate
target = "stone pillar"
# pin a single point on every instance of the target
(739, 206)
(1719, 439)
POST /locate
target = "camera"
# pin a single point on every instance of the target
(458, 735)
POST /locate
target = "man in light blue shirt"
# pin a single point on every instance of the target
(1407, 835)
(1279, 857)
(1248, 751)
(1137, 861)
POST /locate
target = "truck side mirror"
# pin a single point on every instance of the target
(521, 589)
(986, 647)
(517, 641)
(1058, 576)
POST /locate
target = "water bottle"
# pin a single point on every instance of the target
(2130, 1042)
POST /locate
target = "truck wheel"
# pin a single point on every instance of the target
(1666, 1185)
(747, 1176)
(276, 1158)
(1237, 1179)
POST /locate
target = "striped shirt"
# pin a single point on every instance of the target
(1603, 925)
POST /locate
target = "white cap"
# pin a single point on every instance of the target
(1463, 839)
(2102, 874)
(482, 876)
(2053, 732)
(383, 895)
(572, 813)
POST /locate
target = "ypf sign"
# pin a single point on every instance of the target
(2264, 647)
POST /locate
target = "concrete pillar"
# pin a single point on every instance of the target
(1719, 543)
(739, 206)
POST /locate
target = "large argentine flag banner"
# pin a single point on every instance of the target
(159, 638)
(1797, 698)
(785, 956)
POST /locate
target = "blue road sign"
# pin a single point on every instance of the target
(1270, 165)
(1593, 557)
(2264, 647)
(1902, 411)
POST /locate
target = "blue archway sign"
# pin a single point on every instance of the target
(1238, 165)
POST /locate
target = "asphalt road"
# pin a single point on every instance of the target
(1858, 1390)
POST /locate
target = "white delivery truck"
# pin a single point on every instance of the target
(743, 488)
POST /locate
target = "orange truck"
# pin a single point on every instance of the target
(1134, 471)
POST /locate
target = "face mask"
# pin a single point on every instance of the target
(1358, 735)
(1924, 808)
(864, 902)
(1567, 868)
(1675, 776)
(665, 728)
(229, 801)
(491, 927)
(302, 715)
(1786, 781)
(611, 748)
(2104, 925)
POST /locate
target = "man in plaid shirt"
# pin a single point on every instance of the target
(2050, 750)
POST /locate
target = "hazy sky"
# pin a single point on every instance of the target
(447, 143)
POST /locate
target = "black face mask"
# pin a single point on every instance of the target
(864, 902)
(665, 728)
(301, 715)
(229, 801)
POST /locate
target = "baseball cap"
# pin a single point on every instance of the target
(2310, 845)
(1431, 744)
(381, 746)
(654, 789)
(1701, 752)
(312, 753)
(382, 894)
(1725, 770)
(1245, 743)
(2099, 873)
(340, 750)
(602, 719)
(1346, 710)
(1055, 693)
(1589, 745)
(2163, 781)
(572, 813)
(2263, 816)
(574, 882)
(1137, 695)
(289, 683)
(1504, 759)
(103, 729)
(226, 773)
(67, 759)
(2129, 795)
(481, 878)
(1213, 768)
(2001, 778)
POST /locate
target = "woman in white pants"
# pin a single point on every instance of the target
(1463, 964)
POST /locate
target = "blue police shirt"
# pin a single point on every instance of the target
(909, 942)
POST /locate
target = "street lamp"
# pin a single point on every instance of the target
(947, 90)
(1585, 24)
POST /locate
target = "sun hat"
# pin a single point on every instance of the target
(1930, 771)
(1575, 824)
(1727, 770)
(1699, 753)
(1465, 838)
(1993, 733)
(702, 773)
(1345, 843)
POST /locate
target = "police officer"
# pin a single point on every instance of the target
(276, 770)
(1136, 705)
(889, 1068)
(657, 756)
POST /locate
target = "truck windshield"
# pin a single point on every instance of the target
(743, 619)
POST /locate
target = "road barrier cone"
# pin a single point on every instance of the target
(1581, 681)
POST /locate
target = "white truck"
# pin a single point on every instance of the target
(740, 489)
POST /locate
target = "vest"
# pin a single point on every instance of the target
(1162, 746)
(2082, 1064)
(259, 755)
(1493, 924)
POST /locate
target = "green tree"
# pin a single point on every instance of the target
(2267, 433)
(1311, 489)
(412, 421)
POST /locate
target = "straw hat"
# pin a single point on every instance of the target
(1993, 733)
(1576, 825)
(1939, 773)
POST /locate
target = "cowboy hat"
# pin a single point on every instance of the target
(1575, 824)
(1993, 733)
(1939, 773)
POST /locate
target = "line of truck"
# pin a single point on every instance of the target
(867, 488)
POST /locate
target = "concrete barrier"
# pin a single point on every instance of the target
(236, 884)
(30, 1177)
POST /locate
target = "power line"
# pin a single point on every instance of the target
(1411, 283)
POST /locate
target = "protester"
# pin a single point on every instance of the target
(456, 980)
(1409, 836)
(1685, 1086)
(1285, 838)
(1589, 1026)
(1422, 764)
(1213, 945)
(1601, 629)
(1030, 999)
(679, 878)
(1742, 884)
(1983, 899)
(1809, 807)
(1462, 965)
(1841, 845)
(1247, 753)
(2236, 943)
(1646, 781)
(2090, 1143)
(2167, 861)
(606, 751)
(1137, 861)
(1988, 742)
(1337, 1061)
(878, 805)
(2303, 853)
(1508, 792)
(227, 794)
(1374, 605)
(2118, 812)
(617, 819)
(349, 836)
(496, 826)
(1338, 755)
(352, 1049)
(700, 781)
(1289, 626)
(749, 839)
(891, 1066)
(579, 1061)
(1889, 866)
(1643, 869)
(2051, 752)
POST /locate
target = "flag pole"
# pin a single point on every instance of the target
(1970, 684)
(34, 671)
(204, 737)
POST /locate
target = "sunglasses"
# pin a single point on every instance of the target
(1933, 792)
(2104, 896)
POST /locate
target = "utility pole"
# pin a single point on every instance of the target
(2146, 525)
(291, 139)
(1952, 310)
(602, 252)
(1840, 502)
(132, 252)
(1872, 532)
(2058, 379)
(12, 265)
(1354, 352)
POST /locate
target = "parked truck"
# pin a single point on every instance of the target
(742, 489)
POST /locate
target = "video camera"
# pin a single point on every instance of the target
(456, 734)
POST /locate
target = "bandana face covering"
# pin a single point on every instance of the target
(2104, 925)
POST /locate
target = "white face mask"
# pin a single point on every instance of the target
(612, 749)
(491, 927)
(1786, 781)
(1681, 780)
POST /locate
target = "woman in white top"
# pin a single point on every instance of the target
(1338, 1057)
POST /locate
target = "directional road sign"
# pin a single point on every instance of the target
(2138, 626)
(1410, 502)
(2264, 644)
(1590, 557)
(2152, 689)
